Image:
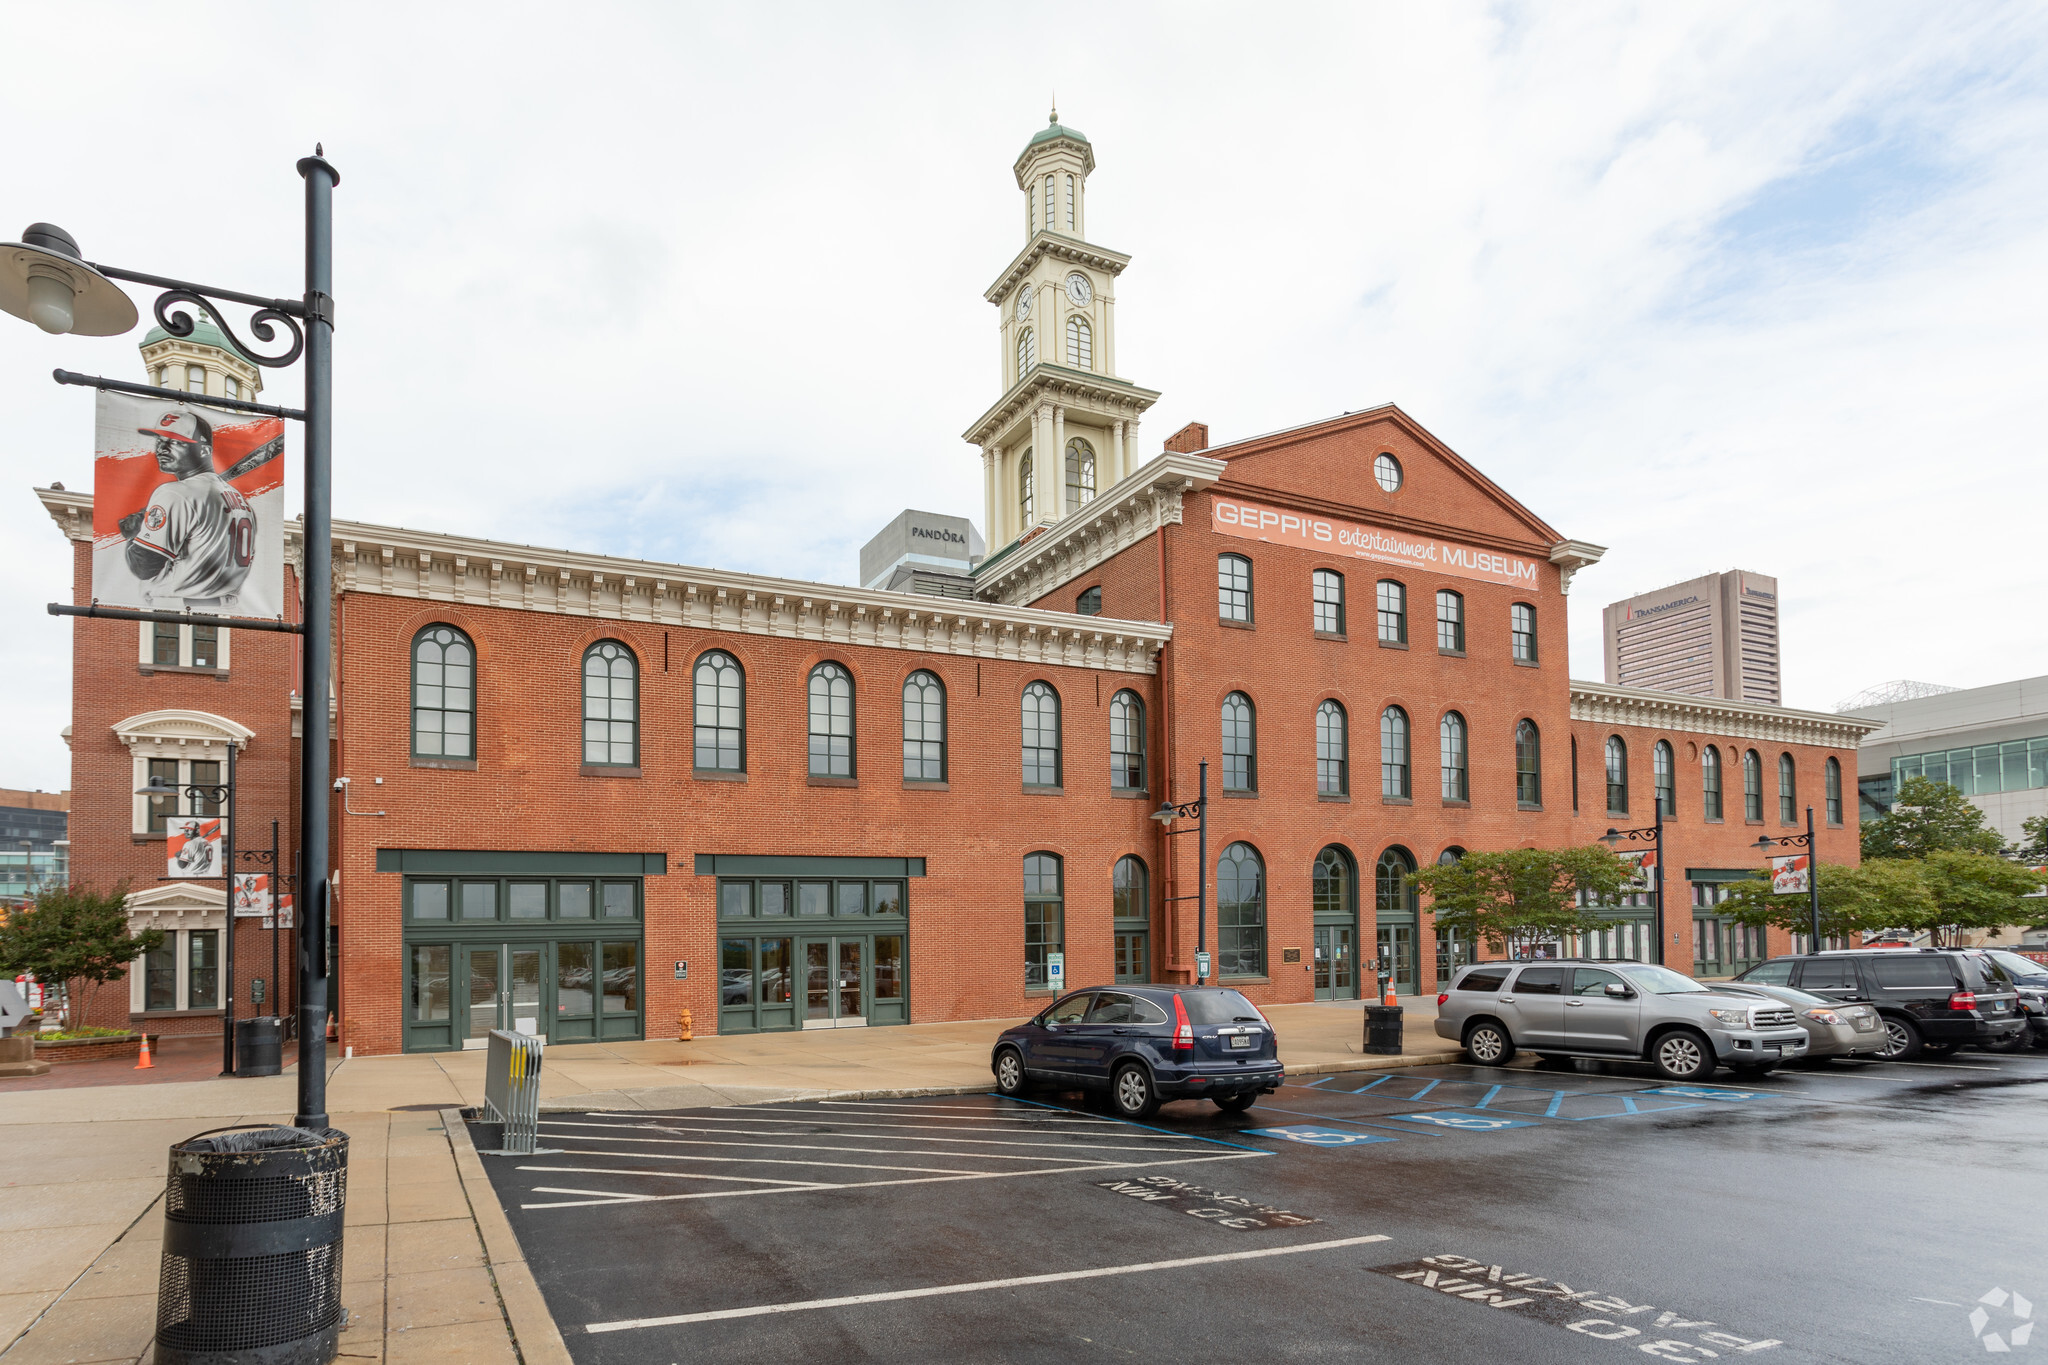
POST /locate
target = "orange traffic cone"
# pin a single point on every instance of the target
(1388, 998)
(145, 1064)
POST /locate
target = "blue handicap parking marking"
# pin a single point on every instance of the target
(1466, 1121)
(1705, 1092)
(1575, 1106)
(1318, 1137)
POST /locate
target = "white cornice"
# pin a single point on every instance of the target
(1114, 399)
(1072, 250)
(395, 562)
(1121, 515)
(181, 729)
(1570, 556)
(1605, 704)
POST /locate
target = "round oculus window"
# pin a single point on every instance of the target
(1387, 470)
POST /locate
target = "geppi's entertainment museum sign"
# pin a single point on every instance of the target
(1251, 521)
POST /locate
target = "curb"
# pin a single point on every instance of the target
(534, 1334)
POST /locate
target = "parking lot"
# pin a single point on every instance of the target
(1846, 1212)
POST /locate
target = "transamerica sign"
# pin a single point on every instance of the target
(1250, 521)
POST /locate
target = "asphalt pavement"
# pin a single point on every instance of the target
(1855, 1212)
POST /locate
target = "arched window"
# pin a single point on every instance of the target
(721, 720)
(1522, 631)
(1089, 603)
(831, 721)
(1394, 894)
(443, 694)
(1240, 744)
(1233, 587)
(1333, 750)
(1752, 786)
(1450, 735)
(1788, 794)
(1026, 499)
(1662, 779)
(1528, 765)
(1048, 203)
(1080, 474)
(1129, 898)
(1080, 343)
(924, 728)
(1710, 782)
(611, 705)
(1041, 736)
(1330, 890)
(1394, 752)
(1044, 916)
(1240, 912)
(1027, 351)
(1450, 621)
(1126, 742)
(1070, 203)
(1393, 612)
(1834, 792)
(1327, 585)
(1617, 776)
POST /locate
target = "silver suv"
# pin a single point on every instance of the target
(1581, 1007)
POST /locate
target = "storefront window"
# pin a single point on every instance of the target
(621, 978)
(430, 982)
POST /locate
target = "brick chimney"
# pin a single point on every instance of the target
(1191, 439)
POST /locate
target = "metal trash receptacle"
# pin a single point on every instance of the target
(1383, 1030)
(259, 1047)
(252, 1248)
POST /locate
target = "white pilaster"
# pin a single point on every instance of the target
(1059, 443)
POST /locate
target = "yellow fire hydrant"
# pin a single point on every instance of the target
(684, 1033)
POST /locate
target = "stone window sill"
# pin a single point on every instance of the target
(1452, 803)
(1393, 644)
(156, 838)
(1247, 980)
(813, 780)
(1386, 800)
(717, 775)
(1752, 822)
(1035, 789)
(1237, 625)
(1525, 663)
(919, 785)
(1342, 798)
(146, 669)
(1130, 793)
(157, 1016)
(610, 770)
(459, 765)
(1336, 635)
(1528, 805)
(1714, 820)
(1240, 796)
(1450, 653)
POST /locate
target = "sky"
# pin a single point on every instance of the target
(1713, 285)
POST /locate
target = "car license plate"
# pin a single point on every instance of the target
(1241, 1040)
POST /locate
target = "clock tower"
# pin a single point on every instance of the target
(1065, 428)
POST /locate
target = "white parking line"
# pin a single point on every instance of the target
(895, 1137)
(798, 1161)
(665, 1175)
(1057, 1277)
(1047, 1116)
(827, 1147)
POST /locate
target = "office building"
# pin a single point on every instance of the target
(1989, 742)
(1713, 636)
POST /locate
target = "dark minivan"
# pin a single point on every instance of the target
(1145, 1045)
(1931, 1000)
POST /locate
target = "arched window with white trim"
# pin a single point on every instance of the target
(1080, 343)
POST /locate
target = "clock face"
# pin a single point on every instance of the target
(1078, 290)
(1024, 303)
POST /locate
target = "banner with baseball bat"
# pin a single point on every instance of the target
(187, 508)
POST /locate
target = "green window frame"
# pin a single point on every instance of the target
(1240, 913)
(831, 721)
(611, 705)
(443, 694)
(1044, 916)
(719, 725)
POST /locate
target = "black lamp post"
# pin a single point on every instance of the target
(1653, 834)
(1804, 841)
(45, 279)
(222, 797)
(1199, 807)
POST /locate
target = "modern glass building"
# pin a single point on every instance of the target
(1991, 743)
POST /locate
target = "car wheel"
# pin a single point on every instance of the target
(1488, 1044)
(1010, 1073)
(1683, 1055)
(1902, 1040)
(1133, 1094)
(1236, 1104)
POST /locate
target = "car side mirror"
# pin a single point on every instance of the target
(1619, 991)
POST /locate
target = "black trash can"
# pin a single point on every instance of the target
(1383, 1030)
(252, 1248)
(259, 1047)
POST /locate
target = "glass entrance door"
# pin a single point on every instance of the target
(483, 994)
(835, 982)
(1336, 974)
(1397, 948)
(504, 990)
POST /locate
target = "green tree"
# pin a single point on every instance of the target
(1974, 891)
(76, 936)
(1884, 893)
(2032, 848)
(1929, 817)
(1518, 896)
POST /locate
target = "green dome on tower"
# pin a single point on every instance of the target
(204, 334)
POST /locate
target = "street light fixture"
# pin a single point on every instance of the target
(44, 280)
(1812, 872)
(1654, 834)
(1167, 813)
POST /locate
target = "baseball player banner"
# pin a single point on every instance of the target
(1789, 874)
(283, 918)
(187, 509)
(192, 846)
(252, 895)
(1644, 869)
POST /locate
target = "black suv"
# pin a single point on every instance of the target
(1932, 1000)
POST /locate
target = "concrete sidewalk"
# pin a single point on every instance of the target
(432, 1269)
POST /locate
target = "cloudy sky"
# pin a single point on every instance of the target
(1712, 285)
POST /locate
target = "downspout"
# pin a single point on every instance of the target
(1166, 861)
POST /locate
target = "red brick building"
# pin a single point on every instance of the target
(585, 793)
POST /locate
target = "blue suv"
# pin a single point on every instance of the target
(1145, 1045)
